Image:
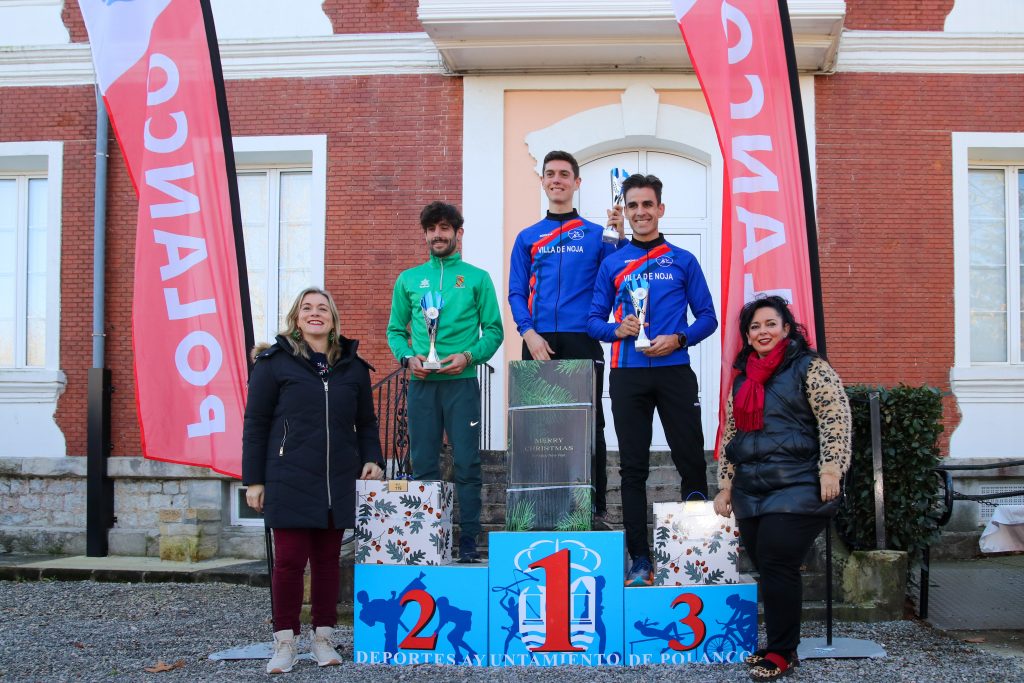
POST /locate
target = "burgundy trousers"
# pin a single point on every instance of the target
(293, 548)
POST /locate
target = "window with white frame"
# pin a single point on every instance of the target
(241, 513)
(996, 199)
(987, 376)
(282, 193)
(23, 276)
(278, 247)
(30, 179)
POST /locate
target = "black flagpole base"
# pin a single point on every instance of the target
(829, 647)
(839, 648)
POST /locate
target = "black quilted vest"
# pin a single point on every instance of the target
(777, 467)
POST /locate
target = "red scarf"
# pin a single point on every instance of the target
(748, 406)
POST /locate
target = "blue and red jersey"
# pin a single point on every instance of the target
(552, 271)
(676, 284)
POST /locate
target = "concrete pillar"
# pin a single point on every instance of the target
(189, 534)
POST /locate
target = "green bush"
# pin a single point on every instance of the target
(911, 422)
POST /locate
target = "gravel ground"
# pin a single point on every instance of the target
(87, 631)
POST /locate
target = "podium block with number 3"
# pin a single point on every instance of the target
(690, 624)
(556, 598)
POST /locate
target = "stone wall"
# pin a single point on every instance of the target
(42, 505)
(179, 512)
(161, 509)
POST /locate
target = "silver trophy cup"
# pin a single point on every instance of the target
(639, 298)
(618, 175)
(431, 315)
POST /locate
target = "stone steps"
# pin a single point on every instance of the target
(662, 486)
(662, 483)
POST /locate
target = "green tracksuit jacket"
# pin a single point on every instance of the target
(469, 320)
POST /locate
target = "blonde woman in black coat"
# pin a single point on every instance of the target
(310, 431)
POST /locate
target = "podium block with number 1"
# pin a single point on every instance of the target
(556, 598)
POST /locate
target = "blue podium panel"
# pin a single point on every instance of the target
(420, 614)
(690, 624)
(556, 598)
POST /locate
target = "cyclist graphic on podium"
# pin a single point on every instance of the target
(738, 631)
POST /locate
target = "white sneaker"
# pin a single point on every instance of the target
(322, 648)
(285, 652)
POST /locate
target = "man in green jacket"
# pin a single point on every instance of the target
(460, 299)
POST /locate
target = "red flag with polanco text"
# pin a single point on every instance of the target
(158, 70)
(739, 51)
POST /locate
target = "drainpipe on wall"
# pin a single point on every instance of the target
(99, 505)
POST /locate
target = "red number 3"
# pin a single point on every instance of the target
(696, 625)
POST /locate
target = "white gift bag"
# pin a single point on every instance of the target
(1005, 531)
(401, 521)
(693, 545)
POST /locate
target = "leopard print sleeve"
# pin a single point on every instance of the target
(831, 408)
(726, 470)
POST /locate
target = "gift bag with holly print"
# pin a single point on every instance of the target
(402, 521)
(693, 545)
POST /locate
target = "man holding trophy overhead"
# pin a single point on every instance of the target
(647, 286)
(444, 322)
(550, 286)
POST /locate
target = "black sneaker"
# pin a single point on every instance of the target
(467, 550)
(600, 522)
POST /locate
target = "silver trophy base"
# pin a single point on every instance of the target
(641, 344)
(431, 365)
(610, 236)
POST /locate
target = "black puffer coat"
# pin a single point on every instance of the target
(307, 439)
(777, 467)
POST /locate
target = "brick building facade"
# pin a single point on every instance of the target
(911, 107)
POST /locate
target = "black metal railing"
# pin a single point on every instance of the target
(390, 398)
(945, 513)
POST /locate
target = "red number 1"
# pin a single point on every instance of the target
(556, 603)
(696, 625)
(414, 641)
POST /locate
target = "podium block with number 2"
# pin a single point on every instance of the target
(556, 598)
(420, 614)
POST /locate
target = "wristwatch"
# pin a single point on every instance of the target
(681, 338)
(469, 357)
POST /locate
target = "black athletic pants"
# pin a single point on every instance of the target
(635, 393)
(777, 545)
(579, 346)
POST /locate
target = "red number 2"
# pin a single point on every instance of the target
(696, 625)
(556, 603)
(414, 641)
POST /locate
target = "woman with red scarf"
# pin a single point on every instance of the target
(785, 447)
